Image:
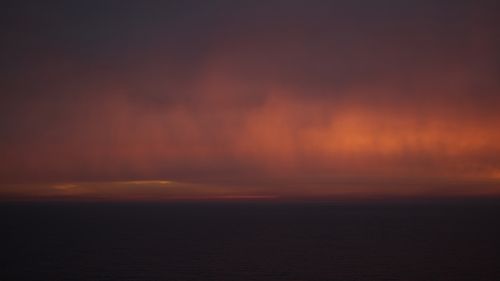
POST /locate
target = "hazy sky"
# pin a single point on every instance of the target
(288, 97)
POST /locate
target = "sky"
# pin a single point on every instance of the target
(249, 99)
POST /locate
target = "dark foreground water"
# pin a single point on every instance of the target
(251, 241)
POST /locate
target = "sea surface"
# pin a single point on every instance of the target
(429, 240)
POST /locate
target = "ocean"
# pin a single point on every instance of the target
(406, 241)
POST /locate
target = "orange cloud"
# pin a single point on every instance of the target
(344, 100)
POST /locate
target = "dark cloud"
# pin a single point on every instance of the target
(197, 90)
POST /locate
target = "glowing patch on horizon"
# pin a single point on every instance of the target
(145, 182)
(66, 186)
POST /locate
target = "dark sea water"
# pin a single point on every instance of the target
(250, 241)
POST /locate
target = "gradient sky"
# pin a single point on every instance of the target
(249, 99)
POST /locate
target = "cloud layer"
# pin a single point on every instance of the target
(227, 91)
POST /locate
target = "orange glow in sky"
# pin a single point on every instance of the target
(312, 101)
